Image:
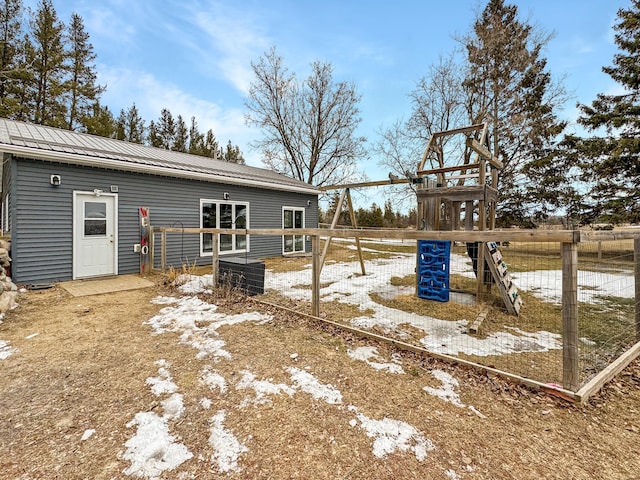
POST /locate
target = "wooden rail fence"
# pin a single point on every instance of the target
(568, 239)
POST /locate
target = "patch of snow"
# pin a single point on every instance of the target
(162, 383)
(193, 284)
(393, 435)
(6, 350)
(310, 384)
(88, 433)
(367, 354)
(152, 450)
(452, 474)
(161, 300)
(197, 321)
(226, 447)
(447, 391)
(262, 388)
(447, 337)
(173, 406)
(213, 380)
(205, 403)
(547, 285)
(476, 411)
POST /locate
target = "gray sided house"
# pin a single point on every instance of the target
(70, 204)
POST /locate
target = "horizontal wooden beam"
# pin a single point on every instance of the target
(597, 382)
(455, 131)
(378, 183)
(609, 235)
(484, 151)
(507, 235)
(460, 193)
(454, 168)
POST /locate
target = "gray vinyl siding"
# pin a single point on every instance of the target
(42, 244)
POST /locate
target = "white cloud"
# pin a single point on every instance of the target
(232, 39)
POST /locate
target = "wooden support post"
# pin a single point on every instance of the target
(315, 274)
(163, 251)
(352, 214)
(480, 267)
(215, 259)
(570, 364)
(636, 256)
(152, 245)
(336, 217)
(468, 216)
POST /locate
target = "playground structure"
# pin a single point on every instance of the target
(457, 206)
(471, 181)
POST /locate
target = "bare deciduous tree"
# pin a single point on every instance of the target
(309, 127)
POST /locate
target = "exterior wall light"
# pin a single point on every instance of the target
(56, 180)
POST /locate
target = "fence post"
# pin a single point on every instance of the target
(636, 256)
(163, 251)
(315, 274)
(215, 260)
(570, 364)
(150, 259)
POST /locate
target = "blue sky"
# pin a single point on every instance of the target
(193, 56)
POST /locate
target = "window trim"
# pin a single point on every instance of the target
(304, 222)
(217, 204)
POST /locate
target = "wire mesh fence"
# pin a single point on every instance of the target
(377, 285)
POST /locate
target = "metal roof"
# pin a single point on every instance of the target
(65, 146)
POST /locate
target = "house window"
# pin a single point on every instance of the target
(229, 215)
(292, 218)
(95, 219)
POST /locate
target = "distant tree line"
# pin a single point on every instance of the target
(374, 216)
(48, 77)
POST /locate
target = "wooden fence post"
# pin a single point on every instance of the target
(150, 259)
(636, 256)
(215, 259)
(163, 251)
(570, 364)
(315, 274)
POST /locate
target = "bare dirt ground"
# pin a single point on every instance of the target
(87, 366)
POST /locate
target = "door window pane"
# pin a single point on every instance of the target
(95, 219)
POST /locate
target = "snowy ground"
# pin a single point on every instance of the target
(445, 337)
(152, 449)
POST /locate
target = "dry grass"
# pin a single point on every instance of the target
(88, 364)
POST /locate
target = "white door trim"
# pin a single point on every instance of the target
(75, 231)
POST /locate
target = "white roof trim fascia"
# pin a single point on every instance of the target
(75, 159)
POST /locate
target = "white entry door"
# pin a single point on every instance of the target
(94, 234)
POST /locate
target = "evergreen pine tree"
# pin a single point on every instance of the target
(181, 137)
(11, 48)
(196, 139)
(612, 161)
(81, 89)
(509, 86)
(130, 125)
(100, 122)
(46, 56)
